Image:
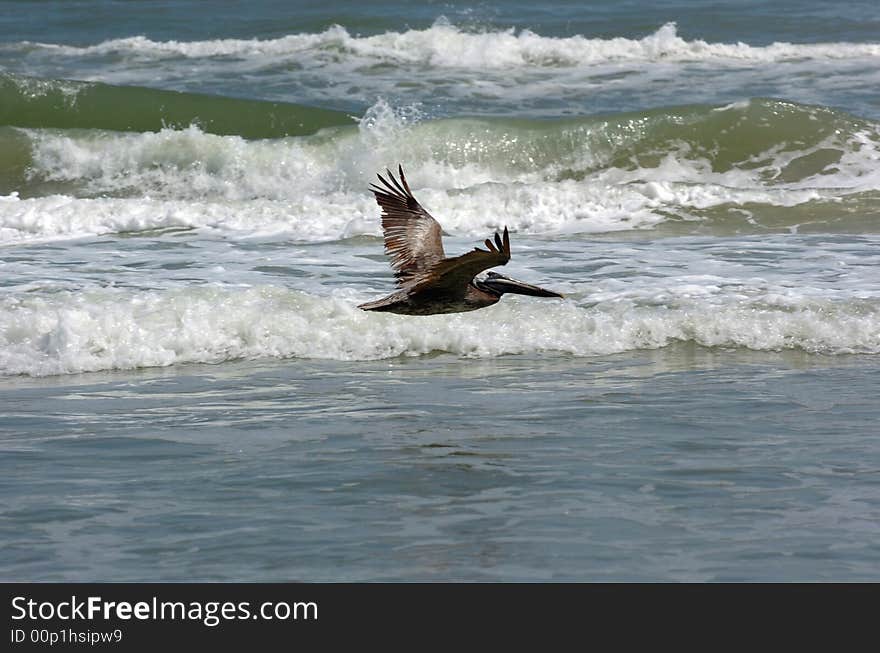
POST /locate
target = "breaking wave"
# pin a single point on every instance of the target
(445, 45)
(117, 329)
(750, 166)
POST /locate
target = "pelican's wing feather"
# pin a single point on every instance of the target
(412, 236)
(453, 275)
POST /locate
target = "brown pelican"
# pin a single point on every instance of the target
(429, 282)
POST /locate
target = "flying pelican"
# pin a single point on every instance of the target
(429, 282)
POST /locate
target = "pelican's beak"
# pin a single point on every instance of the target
(500, 284)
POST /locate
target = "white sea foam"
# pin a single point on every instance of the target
(562, 208)
(309, 219)
(472, 175)
(111, 329)
(444, 45)
(542, 208)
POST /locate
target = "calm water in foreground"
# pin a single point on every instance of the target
(678, 465)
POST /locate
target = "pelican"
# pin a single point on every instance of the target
(430, 283)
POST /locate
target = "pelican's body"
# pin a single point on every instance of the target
(430, 302)
(429, 282)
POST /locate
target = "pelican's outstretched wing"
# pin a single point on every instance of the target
(453, 275)
(412, 236)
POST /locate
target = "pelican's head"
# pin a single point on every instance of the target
(497, 284)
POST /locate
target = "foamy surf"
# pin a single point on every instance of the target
(120, 329)
(310, 219)
(732, 164)
(445, 45)
(460, 70)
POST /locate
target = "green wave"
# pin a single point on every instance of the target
(64, 104)
(783, 141)
(755, 145)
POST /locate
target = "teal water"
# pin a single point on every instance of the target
(676, 465)
(188, 392)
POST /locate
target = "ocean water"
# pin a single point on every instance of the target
(188, 391)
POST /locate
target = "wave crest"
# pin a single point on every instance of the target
(445, 45)
(118, 329)
(762, 162)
